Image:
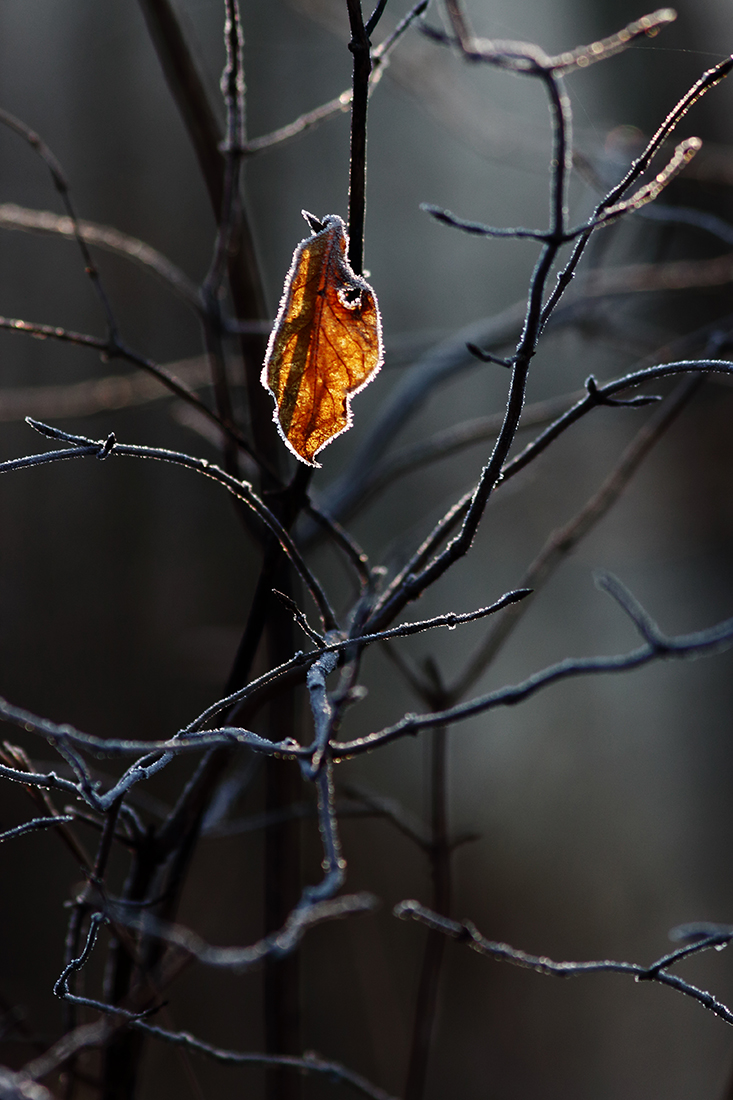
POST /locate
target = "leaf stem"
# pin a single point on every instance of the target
(360, 47)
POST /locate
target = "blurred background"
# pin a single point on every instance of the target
(602, 808)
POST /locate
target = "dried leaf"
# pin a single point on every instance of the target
(326, 345)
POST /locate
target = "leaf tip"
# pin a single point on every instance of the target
(315, 223)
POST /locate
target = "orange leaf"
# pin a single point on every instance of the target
(326, 344)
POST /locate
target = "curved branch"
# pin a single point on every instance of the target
(466, 932)
(105, 237)
(242, 490)
(656, 646)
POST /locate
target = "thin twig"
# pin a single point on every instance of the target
(105, 237)
(466, 932)
(115, 391)
(119, 351)
(232, 87)
(37, 823)
(89, 1036)
(360, 47)
(61, 184)
(656, 646)
(340, 103)
(707, 81)
(242, 490)
(453, 440)
(241, 959)
(564, 540)
(412, 584)
(595, 396)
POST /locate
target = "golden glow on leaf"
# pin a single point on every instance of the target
(326, 344)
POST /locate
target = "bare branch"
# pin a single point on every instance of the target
(60, 183)
(564, 540)
(341, 103)
(656, 646)
(707, 81)
(411, 585)
(105, 237)
(37, 823)
(241, 959)
(361, 51)
(116, 391)
(466, 932)
(89, 1036)
(242, 490)
(118, 351)
(683, 154)
(309, 1063)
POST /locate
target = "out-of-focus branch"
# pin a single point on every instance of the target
(116, 391)
(341, 103)
(60, 182)
(439, 853)
(190, 96)
(118, 351)
(106, 237)
(241, 959)
(90, 1036)
(452, 441)
(707, 81)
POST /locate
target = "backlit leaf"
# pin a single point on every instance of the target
(326, 344)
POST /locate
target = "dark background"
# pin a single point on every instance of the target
(604, 806)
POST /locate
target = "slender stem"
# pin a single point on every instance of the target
(707, 81)
(410, 585)
(240, 489)
(282, 841)
(120, 351)
(432, 962)
(60, 183)
(361, 50)
(232, 86)
(466, 932)
(564, 540)
(657, 646)
(187, 89)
